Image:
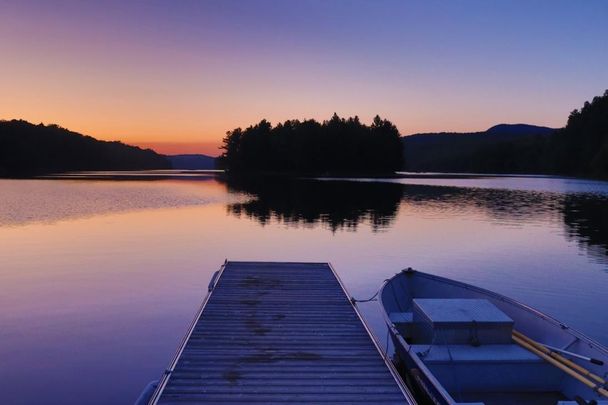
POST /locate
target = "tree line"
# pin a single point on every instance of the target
(337, 145)
(578, 149)
(581, 148)
(27, 149)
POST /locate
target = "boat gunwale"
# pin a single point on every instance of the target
(504, 298)
(437, 385)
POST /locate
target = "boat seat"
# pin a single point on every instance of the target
(458, 320)
(489, 368)
(401, 317)
(403, 322)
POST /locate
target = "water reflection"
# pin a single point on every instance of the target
(505, 206)
(344, 204)
(586, 221)
(104, 272)
(337, 204)
(72, 197)
(334, 204)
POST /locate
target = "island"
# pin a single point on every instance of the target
(332, 147)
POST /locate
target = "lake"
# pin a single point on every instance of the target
(102, 273)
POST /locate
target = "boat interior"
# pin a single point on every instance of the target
(468, 343)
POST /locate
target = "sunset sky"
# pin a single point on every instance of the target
(176, 75)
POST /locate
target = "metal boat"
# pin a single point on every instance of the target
(460, 344)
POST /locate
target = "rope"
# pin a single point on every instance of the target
(373, 297)
(370, 299)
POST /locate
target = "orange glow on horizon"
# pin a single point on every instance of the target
(176, 77)
(179, 148)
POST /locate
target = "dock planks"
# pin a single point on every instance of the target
(279, 333)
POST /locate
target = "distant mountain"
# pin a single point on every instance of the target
(519, 129)
(27, 149)
(503, 148)
(192, 162)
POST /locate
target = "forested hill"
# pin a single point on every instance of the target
(27, 149)
(503, 148)
(578, 149)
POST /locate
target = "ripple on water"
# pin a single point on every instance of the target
(48, 201)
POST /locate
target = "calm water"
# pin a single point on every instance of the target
(99, 278)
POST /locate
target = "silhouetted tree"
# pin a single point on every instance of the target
(337, 145)
(581, 148)
(27, 149)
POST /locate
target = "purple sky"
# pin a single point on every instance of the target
(178, 74)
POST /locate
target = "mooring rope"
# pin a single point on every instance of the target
(373, 297)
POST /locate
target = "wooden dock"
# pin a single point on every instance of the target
(279, 333)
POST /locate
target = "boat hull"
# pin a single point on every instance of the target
(523, 376)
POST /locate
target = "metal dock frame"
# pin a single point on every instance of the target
(272, 361)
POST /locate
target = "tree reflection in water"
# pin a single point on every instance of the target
(344, 204)
(337, 204)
